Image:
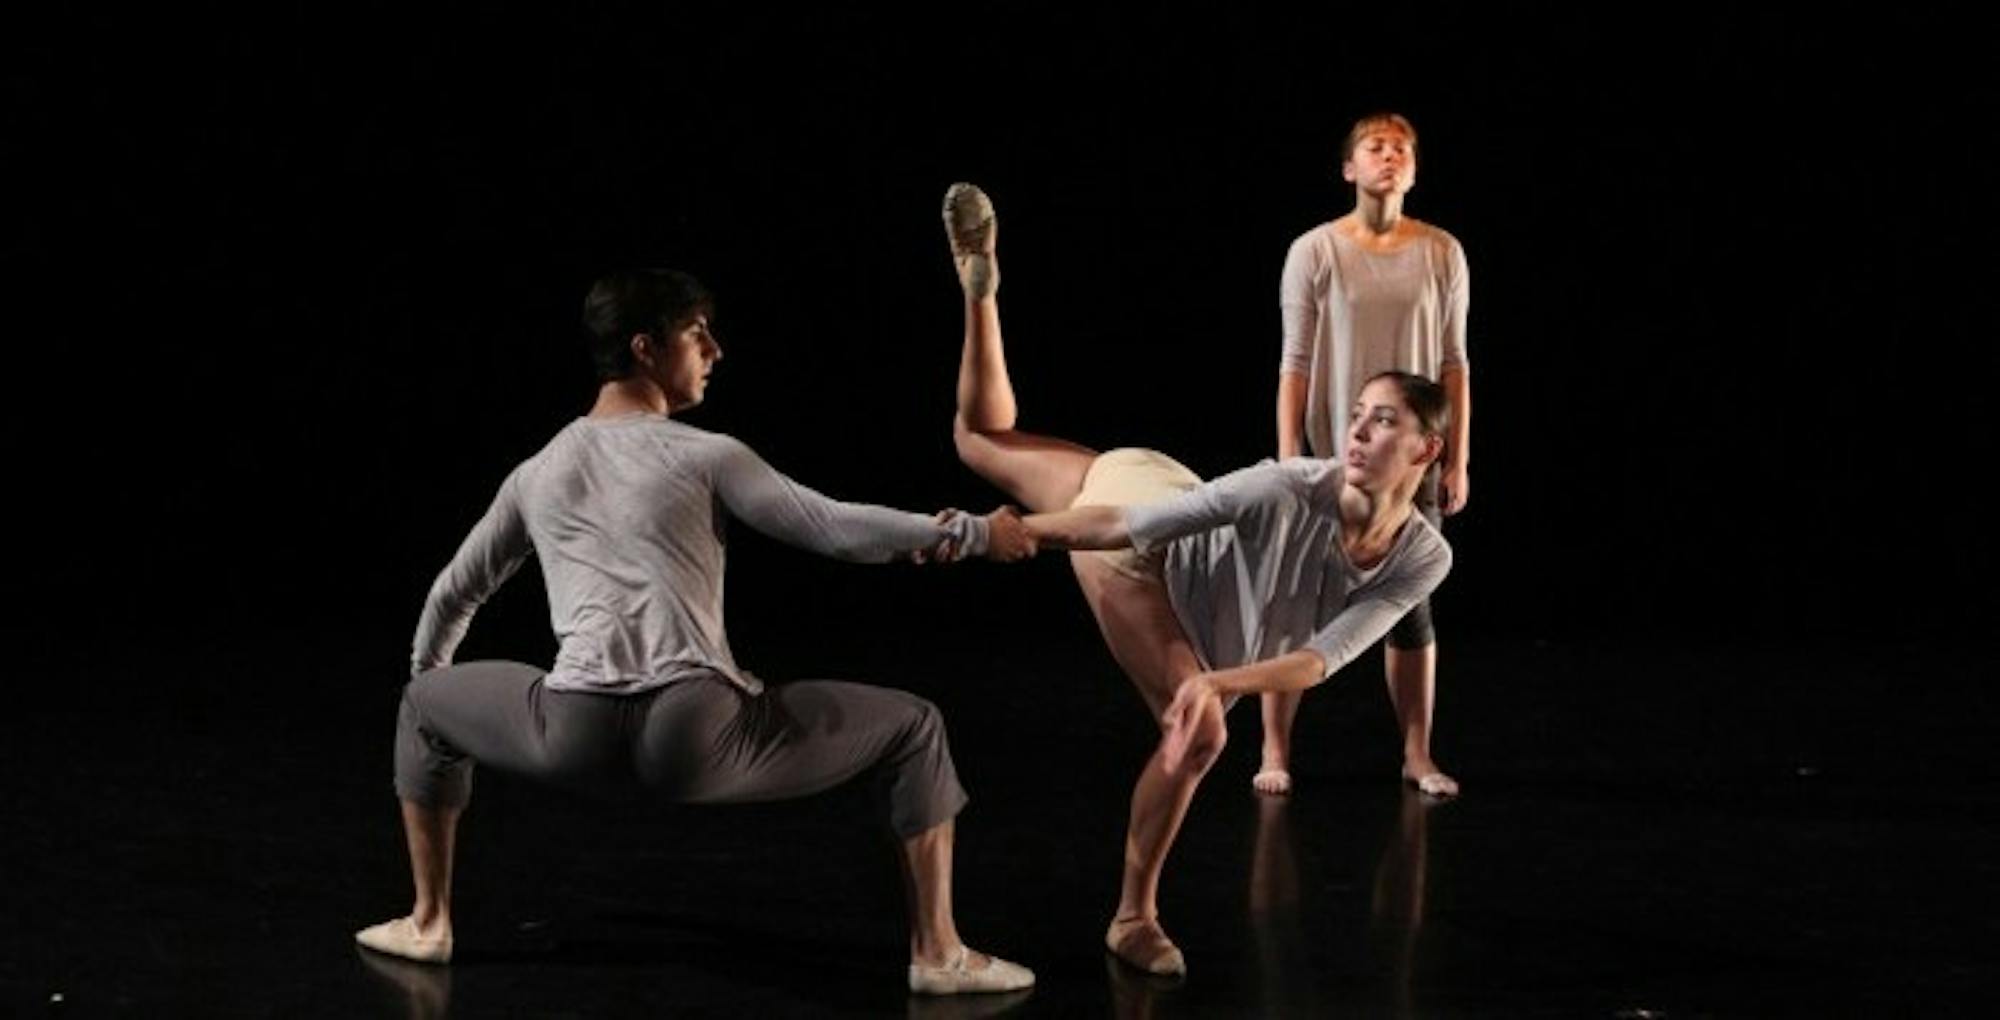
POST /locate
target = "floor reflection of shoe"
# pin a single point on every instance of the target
(400, 938)
(956, 975)
(964, 1007)
(423, 990)
(1135, 994)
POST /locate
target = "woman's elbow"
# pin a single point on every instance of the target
(1312, 668)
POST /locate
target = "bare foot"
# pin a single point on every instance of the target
(1272, 778)
(1430, 780)
(1276, 782)
(1141, 942)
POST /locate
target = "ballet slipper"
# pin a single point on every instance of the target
(956, 976)
(401, 938)
(1140, 942)
(972, 227)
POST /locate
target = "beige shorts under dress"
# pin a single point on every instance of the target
(1132, 476)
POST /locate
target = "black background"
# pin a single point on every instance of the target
(288, 293)
(296, 291)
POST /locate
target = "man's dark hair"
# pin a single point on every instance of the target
(650, 301)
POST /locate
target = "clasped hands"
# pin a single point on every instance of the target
(1007, 539)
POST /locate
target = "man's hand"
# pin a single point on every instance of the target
(947, 550)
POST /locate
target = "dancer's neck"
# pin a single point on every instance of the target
(631, 395)
(1370, 523)
(1376, 217)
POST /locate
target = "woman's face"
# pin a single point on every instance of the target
(1384, 161)
(1385, 442)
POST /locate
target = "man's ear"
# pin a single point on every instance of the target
(642, 348)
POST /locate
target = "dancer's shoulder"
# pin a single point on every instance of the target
(1424, 547)
(1310, 474)
(1318, 239)
(1437, 238)
(1290, 480)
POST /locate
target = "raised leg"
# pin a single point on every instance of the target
(1040, 472)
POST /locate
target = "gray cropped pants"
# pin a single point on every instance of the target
(698, 741)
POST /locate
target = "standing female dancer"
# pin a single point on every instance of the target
(1375, 291)
(1266, 579)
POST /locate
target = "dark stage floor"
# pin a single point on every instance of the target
(1645, 833)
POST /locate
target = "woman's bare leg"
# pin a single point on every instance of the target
(1041, 472)
(1412, 676)
(1144, 637)
(1280, 709)
(1138, 624)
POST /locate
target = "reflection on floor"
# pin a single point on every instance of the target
(1643, 834)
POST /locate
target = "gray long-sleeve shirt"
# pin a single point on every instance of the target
(1350, 313)
(1254, 566)
(626, 516)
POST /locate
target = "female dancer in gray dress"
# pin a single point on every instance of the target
(1266, 579)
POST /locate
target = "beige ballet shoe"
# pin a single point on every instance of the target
(400, 938)
(955, 976)
(1140, 942)
(972, 227)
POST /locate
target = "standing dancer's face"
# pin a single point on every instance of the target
(683, 360)
(1385, 442)
(1384, 161)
